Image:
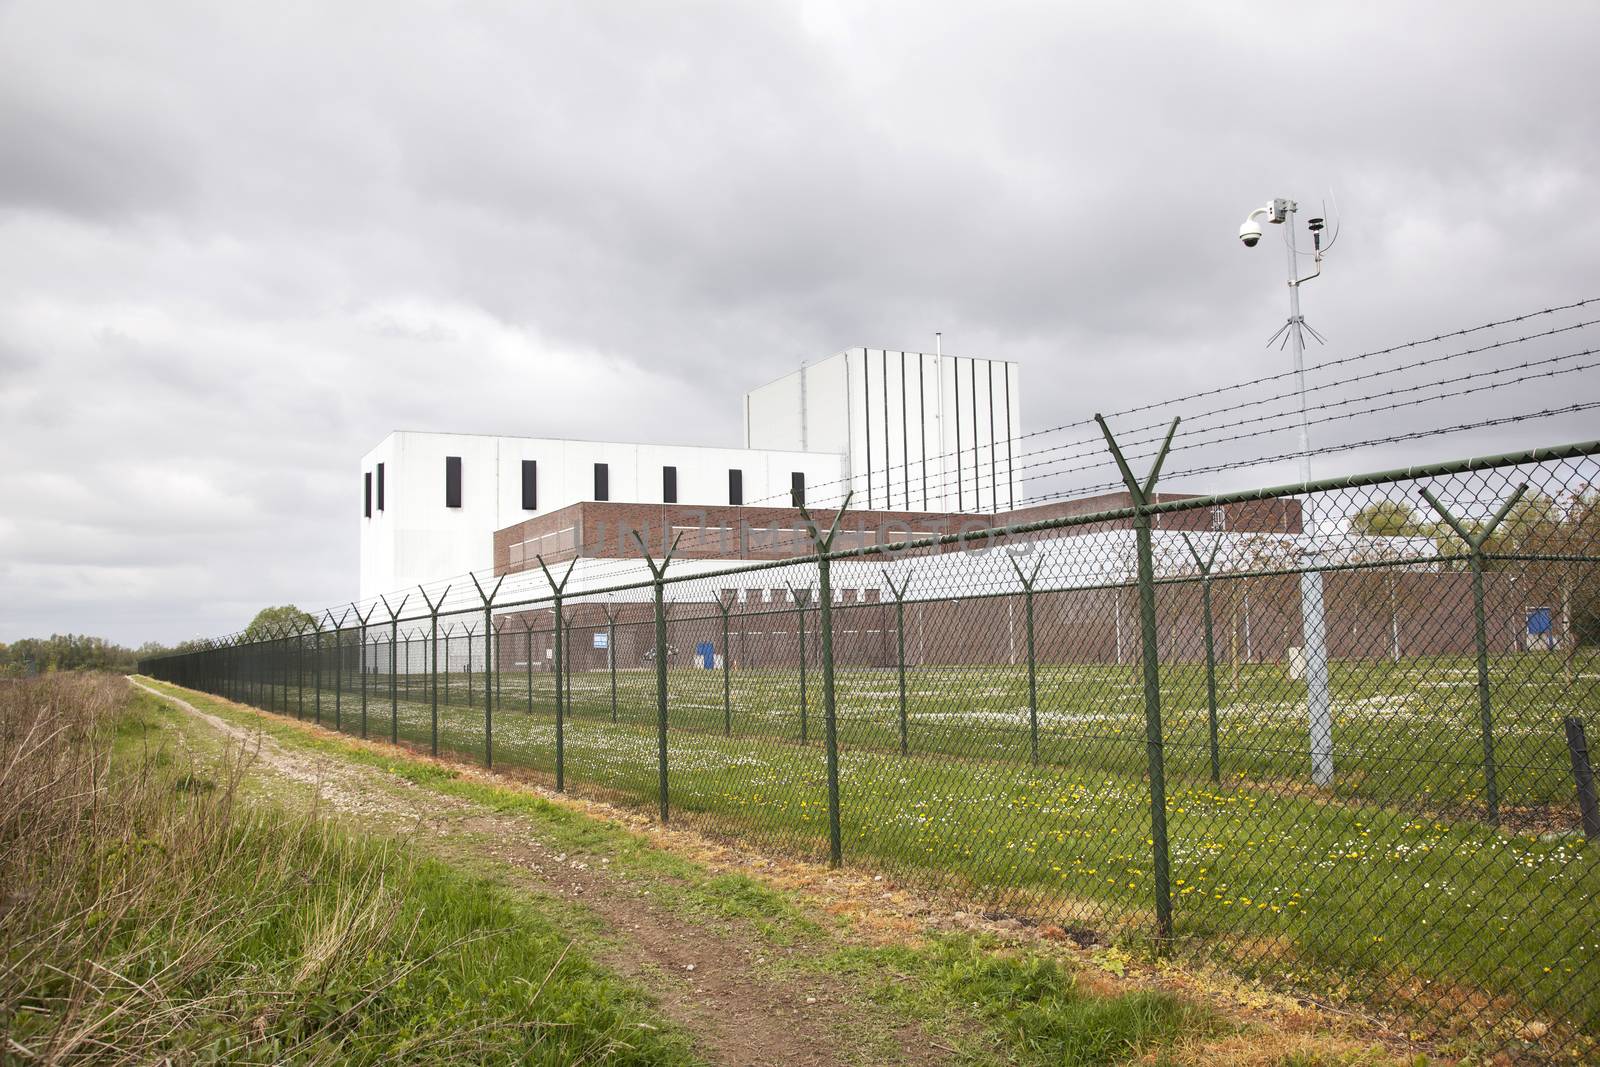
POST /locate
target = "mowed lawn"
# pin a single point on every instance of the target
(1390, 878)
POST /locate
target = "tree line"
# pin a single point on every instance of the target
(83, 652)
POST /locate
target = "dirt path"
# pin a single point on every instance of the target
(708, 978)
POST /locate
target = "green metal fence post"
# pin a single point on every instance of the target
(316, 670)
(1028, 581)
(1475, 540)
(280, 651)
(830, 718)
(499, 635)
(1204, 566)
(1140, 493)
(611, 656)
(447, 628)
(363, 662)
(433, 665)
(527, 636)
(558, 588)
(338, 670)
(725, 603)
(394, 666)
(658, 573)
(488, 666)
(299, 673)
(900, 651)
(802, 597)
(466, 666)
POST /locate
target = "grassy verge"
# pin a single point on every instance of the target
(148, 913)
(1040, 1005)
(985, 1002)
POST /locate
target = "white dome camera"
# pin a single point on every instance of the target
(1250, 233)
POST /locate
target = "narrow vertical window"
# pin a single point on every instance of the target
(669, 485)
(380, 487)
(602, 481)
(797, 489)
(367, 506)
(530, 485)
(452, 481)
(735, 486)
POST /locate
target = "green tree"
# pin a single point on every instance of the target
(63, 652)
(1390, 518)
(270, 621)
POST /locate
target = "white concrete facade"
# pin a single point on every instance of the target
(919, 431)
(415, 538)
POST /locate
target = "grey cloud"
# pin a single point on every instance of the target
(237, 246)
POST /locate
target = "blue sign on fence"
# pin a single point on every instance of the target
(602, 640)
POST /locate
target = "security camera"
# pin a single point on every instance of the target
(1250, 233)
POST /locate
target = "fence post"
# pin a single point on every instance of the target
(433, 666)
(558, 588)
(611, 656)
(900, 649)
(830, 718)
(802, 597)
(499, 632)
(316, 670)
(447, 628)
(1140, 494)
(500, 664)
(1475, 541)
(363, 663)
(527, 637)
(394, 666)
(725, 603)
(280, 655)
(338, 670)
(1204, 566)
(488, 665)
(1583, 776)
(1027, 581)
(299, 672)
(658, 573)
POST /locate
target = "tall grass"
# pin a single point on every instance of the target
(148, 912)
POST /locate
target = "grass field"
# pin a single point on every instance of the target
(1390, 880)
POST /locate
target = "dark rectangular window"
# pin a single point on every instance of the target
(669, 485)
(735, 487)
(452, 481)
(530, 485)
(380, 487)
(602, 481)
(367, 507)
(797, 489)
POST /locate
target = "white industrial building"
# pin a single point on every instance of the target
(917, 432)
(904, 430)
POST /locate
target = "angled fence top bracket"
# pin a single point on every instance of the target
(1475, 541)
(1141, 492)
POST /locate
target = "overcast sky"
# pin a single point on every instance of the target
(239, 243)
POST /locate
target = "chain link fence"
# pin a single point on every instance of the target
(1330, 735)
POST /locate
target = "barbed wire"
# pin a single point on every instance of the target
(1094, 440)
(1347, 446)
(1041, 468)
